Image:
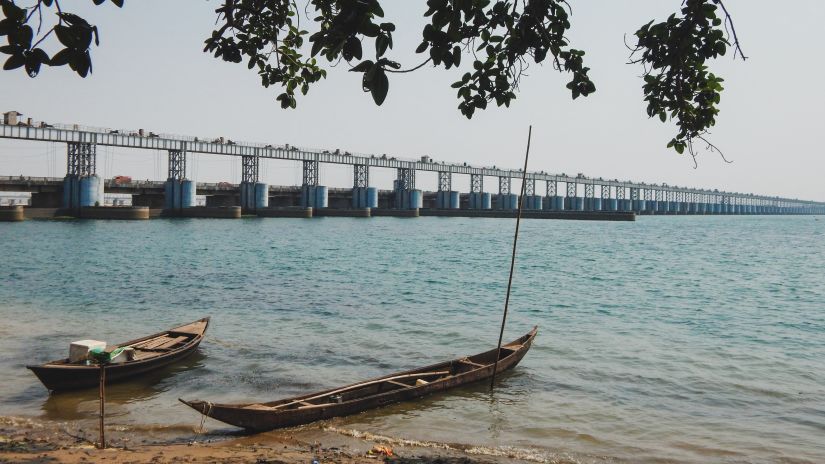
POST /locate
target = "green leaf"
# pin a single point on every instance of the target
(381, 44)
(13, 12)
(62, 57)
(65, 36)
(22, 37)
(14, 62)
(11, 49)
(317, 45)
(83, 35)
(380, 86)
(81, 63)
(363, 66)
(352, 49)
(6, 26)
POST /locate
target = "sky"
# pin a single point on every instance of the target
(150, 72)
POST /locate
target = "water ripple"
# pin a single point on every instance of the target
(678, 339)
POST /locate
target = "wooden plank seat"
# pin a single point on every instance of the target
(149, 342)
(259, 406)
(360, 385)
(178, 333)
(467, 361)
(164, 344)
(400, 384)
(171, 343)
(195, 328)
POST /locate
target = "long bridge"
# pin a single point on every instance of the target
(83, 188)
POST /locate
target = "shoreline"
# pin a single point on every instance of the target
(33, 440)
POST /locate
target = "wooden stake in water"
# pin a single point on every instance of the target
(102, 442)
(513, 257)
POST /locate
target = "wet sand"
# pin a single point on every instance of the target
(37, 441)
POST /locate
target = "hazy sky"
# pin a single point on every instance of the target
(149, 72)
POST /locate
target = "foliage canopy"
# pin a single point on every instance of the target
(501, 38)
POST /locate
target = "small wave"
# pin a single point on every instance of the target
(524, 454)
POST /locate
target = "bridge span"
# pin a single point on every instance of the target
(82, 187)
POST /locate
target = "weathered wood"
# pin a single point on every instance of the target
(468, 362)
(171, 343)
(62, 375)
(357, 386)
(102, 392)
(365, 395)
(405, 385)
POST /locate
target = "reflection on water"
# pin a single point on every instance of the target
(81, 404)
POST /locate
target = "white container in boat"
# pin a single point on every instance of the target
(80, 349)
(128, 354)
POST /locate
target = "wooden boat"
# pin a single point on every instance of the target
(355, 398)
(151, 352)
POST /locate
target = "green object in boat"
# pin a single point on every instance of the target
(100, 356)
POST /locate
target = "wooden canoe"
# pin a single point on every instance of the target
(151, 352)
(355, 398)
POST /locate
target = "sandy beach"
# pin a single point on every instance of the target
(37, 441)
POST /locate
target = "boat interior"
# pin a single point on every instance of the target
(158, 344)
(394, 382)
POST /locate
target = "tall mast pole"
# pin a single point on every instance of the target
(513, 257)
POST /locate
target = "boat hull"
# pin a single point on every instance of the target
(248, 417)
(58, 376)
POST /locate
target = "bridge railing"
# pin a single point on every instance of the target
(128, 138)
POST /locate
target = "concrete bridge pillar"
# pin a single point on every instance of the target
(479, 199)
(179, 192)
(363, 196)
(446, 197)
(622, 203)
(312, 194)
(604, 198)
(254, 194)
(505, 199)
(661, 202)
(531, 200)
(406, 195)
(82, 186)
(572, 201)
(552, 200)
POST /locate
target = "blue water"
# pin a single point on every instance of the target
(684, 339)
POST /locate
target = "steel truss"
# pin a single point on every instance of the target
(177, 165)
(476, 183)
(310, 173)
(406, 179)
(445, 181)
(572, 189)
(361, 175)
(552, 188)
(503, 185)
(81, 159)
